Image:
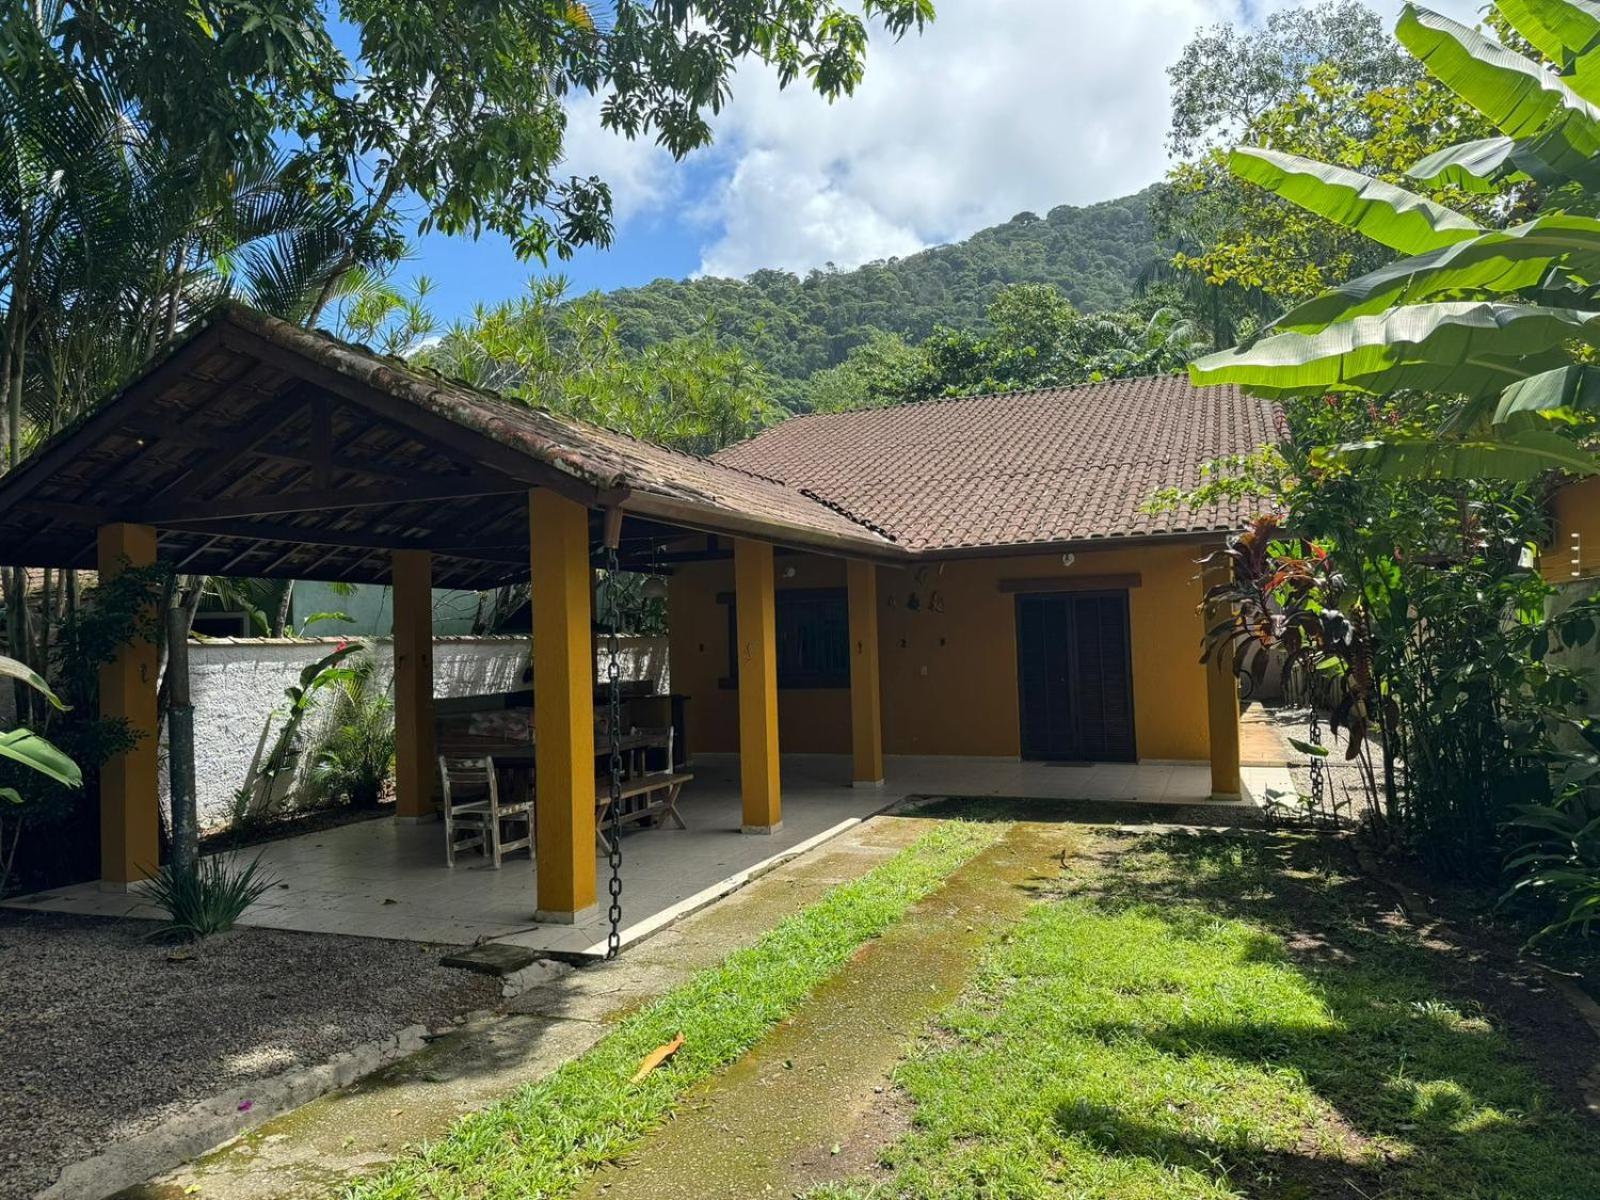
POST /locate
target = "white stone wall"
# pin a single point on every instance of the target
(238, 682)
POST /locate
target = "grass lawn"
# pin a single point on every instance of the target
(544, 1139)
(1219, 1016)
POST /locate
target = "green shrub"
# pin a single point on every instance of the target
(354, 758)
(209, 898)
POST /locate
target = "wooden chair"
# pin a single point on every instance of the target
(472, 802)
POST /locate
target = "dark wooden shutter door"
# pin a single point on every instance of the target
(1074, 680)
(1044, 676)
(1102, 686)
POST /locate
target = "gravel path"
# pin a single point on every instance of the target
(103, 1036)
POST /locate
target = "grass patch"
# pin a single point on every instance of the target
(1220, 1016)
(541, 1141)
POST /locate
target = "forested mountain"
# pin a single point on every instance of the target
(795, 326)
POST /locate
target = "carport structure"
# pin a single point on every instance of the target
(257, 448)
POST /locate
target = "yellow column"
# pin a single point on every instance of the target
(866, 713)
(758, 686)
(415, 767)
(129, 822)
(1222, 714)
(563, 707)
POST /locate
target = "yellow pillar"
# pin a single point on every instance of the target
(129, 822)
(414, 765)
(563, 707)
(757, 631)
(1222, 715)
(866, 713)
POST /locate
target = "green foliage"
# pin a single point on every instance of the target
(352, 760)
(1329, 85)
(209, 898)
(1421, 598)
(48, 830)
(254, 799)
(1035, 339)
(796, 327)
(695, 392)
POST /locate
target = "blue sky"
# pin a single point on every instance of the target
(1001, 106)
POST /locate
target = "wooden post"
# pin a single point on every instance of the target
(130, 847)
(866, 710)
(414, 763)
(756, 601)
(180, 744)
(563, 707)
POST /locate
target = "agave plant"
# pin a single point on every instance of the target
(1506, 319)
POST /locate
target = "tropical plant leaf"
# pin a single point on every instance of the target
(1390, 215)
(1518, 454)
(1453, 347)
(1517, 96)
(1555, 28)
(1567, 32)
(1572, 389)
(11, 668)
(1495, 263)
(1475, 166)
(31, 750)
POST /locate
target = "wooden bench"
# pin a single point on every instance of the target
(646, 795)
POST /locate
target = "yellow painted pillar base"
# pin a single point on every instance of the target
(866, 707)
(130, 840)
(1222, 720)
(415, 766)
(756, 601)
(563, 708)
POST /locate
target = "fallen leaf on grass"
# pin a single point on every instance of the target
(656, 1057)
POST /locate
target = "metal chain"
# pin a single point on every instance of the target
(1319, 787)
(614, 731)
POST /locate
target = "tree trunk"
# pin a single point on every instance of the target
(280, 622)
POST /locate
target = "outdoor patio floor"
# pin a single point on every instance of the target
(379, 879)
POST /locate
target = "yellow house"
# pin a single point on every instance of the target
(973, 577)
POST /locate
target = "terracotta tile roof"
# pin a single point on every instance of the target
(1055, 465)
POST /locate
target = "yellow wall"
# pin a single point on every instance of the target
(1575, 509)
(949, 677)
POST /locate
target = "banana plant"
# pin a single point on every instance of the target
(1505, 319)
(28, 748)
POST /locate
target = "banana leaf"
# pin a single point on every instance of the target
(1567, 32)
(12, 669)
(1471, 349)
(31, 750)
(1571, 389)
(1496, 263)
(1517, 96)
(1475, 166)
(1390, 215)
(1555, 28)
(1517, 455)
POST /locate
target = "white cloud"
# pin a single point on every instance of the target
(643, 177)
(1000, 106)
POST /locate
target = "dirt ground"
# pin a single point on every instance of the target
(105, 1033)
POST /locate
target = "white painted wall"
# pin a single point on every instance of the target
(238, 682)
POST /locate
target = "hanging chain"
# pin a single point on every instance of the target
(1319, 785)
(614, 734)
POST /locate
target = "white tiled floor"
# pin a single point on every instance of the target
(379, 879)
